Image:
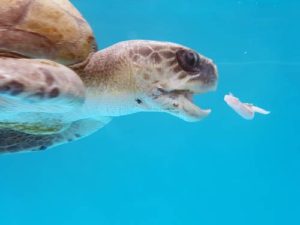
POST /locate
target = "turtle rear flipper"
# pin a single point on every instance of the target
(32, 85)
(16, 141)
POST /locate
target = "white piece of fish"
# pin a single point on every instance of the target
(245, 110)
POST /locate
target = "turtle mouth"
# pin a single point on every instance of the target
(186, 106)
(180, 103)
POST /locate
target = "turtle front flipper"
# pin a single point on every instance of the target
(32, 85)
(16, 141)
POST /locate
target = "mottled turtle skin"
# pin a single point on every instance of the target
(55, 87)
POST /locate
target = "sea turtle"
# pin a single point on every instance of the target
(55, 87)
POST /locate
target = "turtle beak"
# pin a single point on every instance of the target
(180, 104)
(178, 101)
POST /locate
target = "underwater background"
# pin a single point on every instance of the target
(154, 169)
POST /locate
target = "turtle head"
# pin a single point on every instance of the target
(136, 76)
(168, 75)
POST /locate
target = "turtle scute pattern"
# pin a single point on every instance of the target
(50, 29)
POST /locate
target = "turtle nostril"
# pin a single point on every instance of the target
(211, 70)
(208, 72)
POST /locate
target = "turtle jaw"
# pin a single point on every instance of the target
(180, 103)
(206, 80)
(189, 111)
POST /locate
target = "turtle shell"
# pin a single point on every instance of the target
(49, 29)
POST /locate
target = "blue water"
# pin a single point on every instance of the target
(153, 169)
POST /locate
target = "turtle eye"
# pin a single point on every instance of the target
(188, 60)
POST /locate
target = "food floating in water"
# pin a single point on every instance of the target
(245, 110)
